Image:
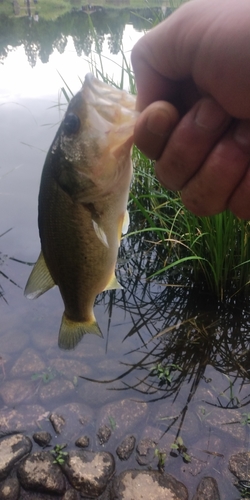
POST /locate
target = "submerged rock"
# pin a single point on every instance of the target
(73, 417)
(57, 389)
(17, 391)
(26, 418)
(9, 489)
(42, 438)
(89, 472)
(103, 434)
(145, 451)
(123, 415)
(58, 422)
(239, 465)
(82, 442)
(28, 364)
(207, 490)
(39, 473)
(145, 485)
(12, 449)
(125, 449)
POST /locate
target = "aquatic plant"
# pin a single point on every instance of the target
(58, 453)
(179, 446)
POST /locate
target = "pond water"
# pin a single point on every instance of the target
(164, 346)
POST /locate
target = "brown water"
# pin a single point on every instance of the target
(205, 392)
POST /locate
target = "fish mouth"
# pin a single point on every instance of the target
(111, 111)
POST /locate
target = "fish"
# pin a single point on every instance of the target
(82, 204)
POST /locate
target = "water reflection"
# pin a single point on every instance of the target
(41, 38)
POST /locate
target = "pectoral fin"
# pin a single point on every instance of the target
(71, 332)
(100, 233)
(39, 280)
(126, 221)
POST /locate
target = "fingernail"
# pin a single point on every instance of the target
(159, 122)
(210, 115)
(242, 134)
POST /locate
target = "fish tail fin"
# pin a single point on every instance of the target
(71, 332)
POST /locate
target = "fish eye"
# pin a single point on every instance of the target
(71, 124)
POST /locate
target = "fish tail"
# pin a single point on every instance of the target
(71, 332)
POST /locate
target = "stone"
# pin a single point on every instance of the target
(28, 364)
(12, 449)
(89, 472)
(145, 451)
(145, 485)
(16, 391)
(57, 389)
(74, 416)
(207, 490)
(42, 438)
(39, 473)
(10, 489)
(239, 465)
(58, 422)
(228, 422)
(103, 434)
(125, 415)
(70, 368)
(27, 417)
(82, 442)
(126, 448)
(71, 495)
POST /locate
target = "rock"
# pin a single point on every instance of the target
(89, 472)
(145, 485)
(16, 391)
(75, 417)
(207, 490)
(145, 451)
(124, 415)
(125, 449)
(58, 422)
(103, 434)
(82, 442)
(12, 449)
(28, 364)
(226, 421)
(239, 465)
(9, 489)
(57, 389)
(39, 473)
(70, 368)
(71, 495)
(26, 418)
(42, 438)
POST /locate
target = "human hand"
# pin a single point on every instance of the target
(193, 80)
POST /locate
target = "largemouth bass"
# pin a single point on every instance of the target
(82, 205)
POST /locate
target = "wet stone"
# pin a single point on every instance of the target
(124, 415)
(89, 472)
(145, 451)
(58, 422)
(42, 438)
(145, 485)
(9, 489)
(28, 364)
(126, 448)
(12, 449)
(207, 490)
(74, 417)
(27, 417)
(82, 442)
(9, 342)
(71, 495)
(55, 390)
(16, 391)
(39, 473)
(103, 434)
(239, 465)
